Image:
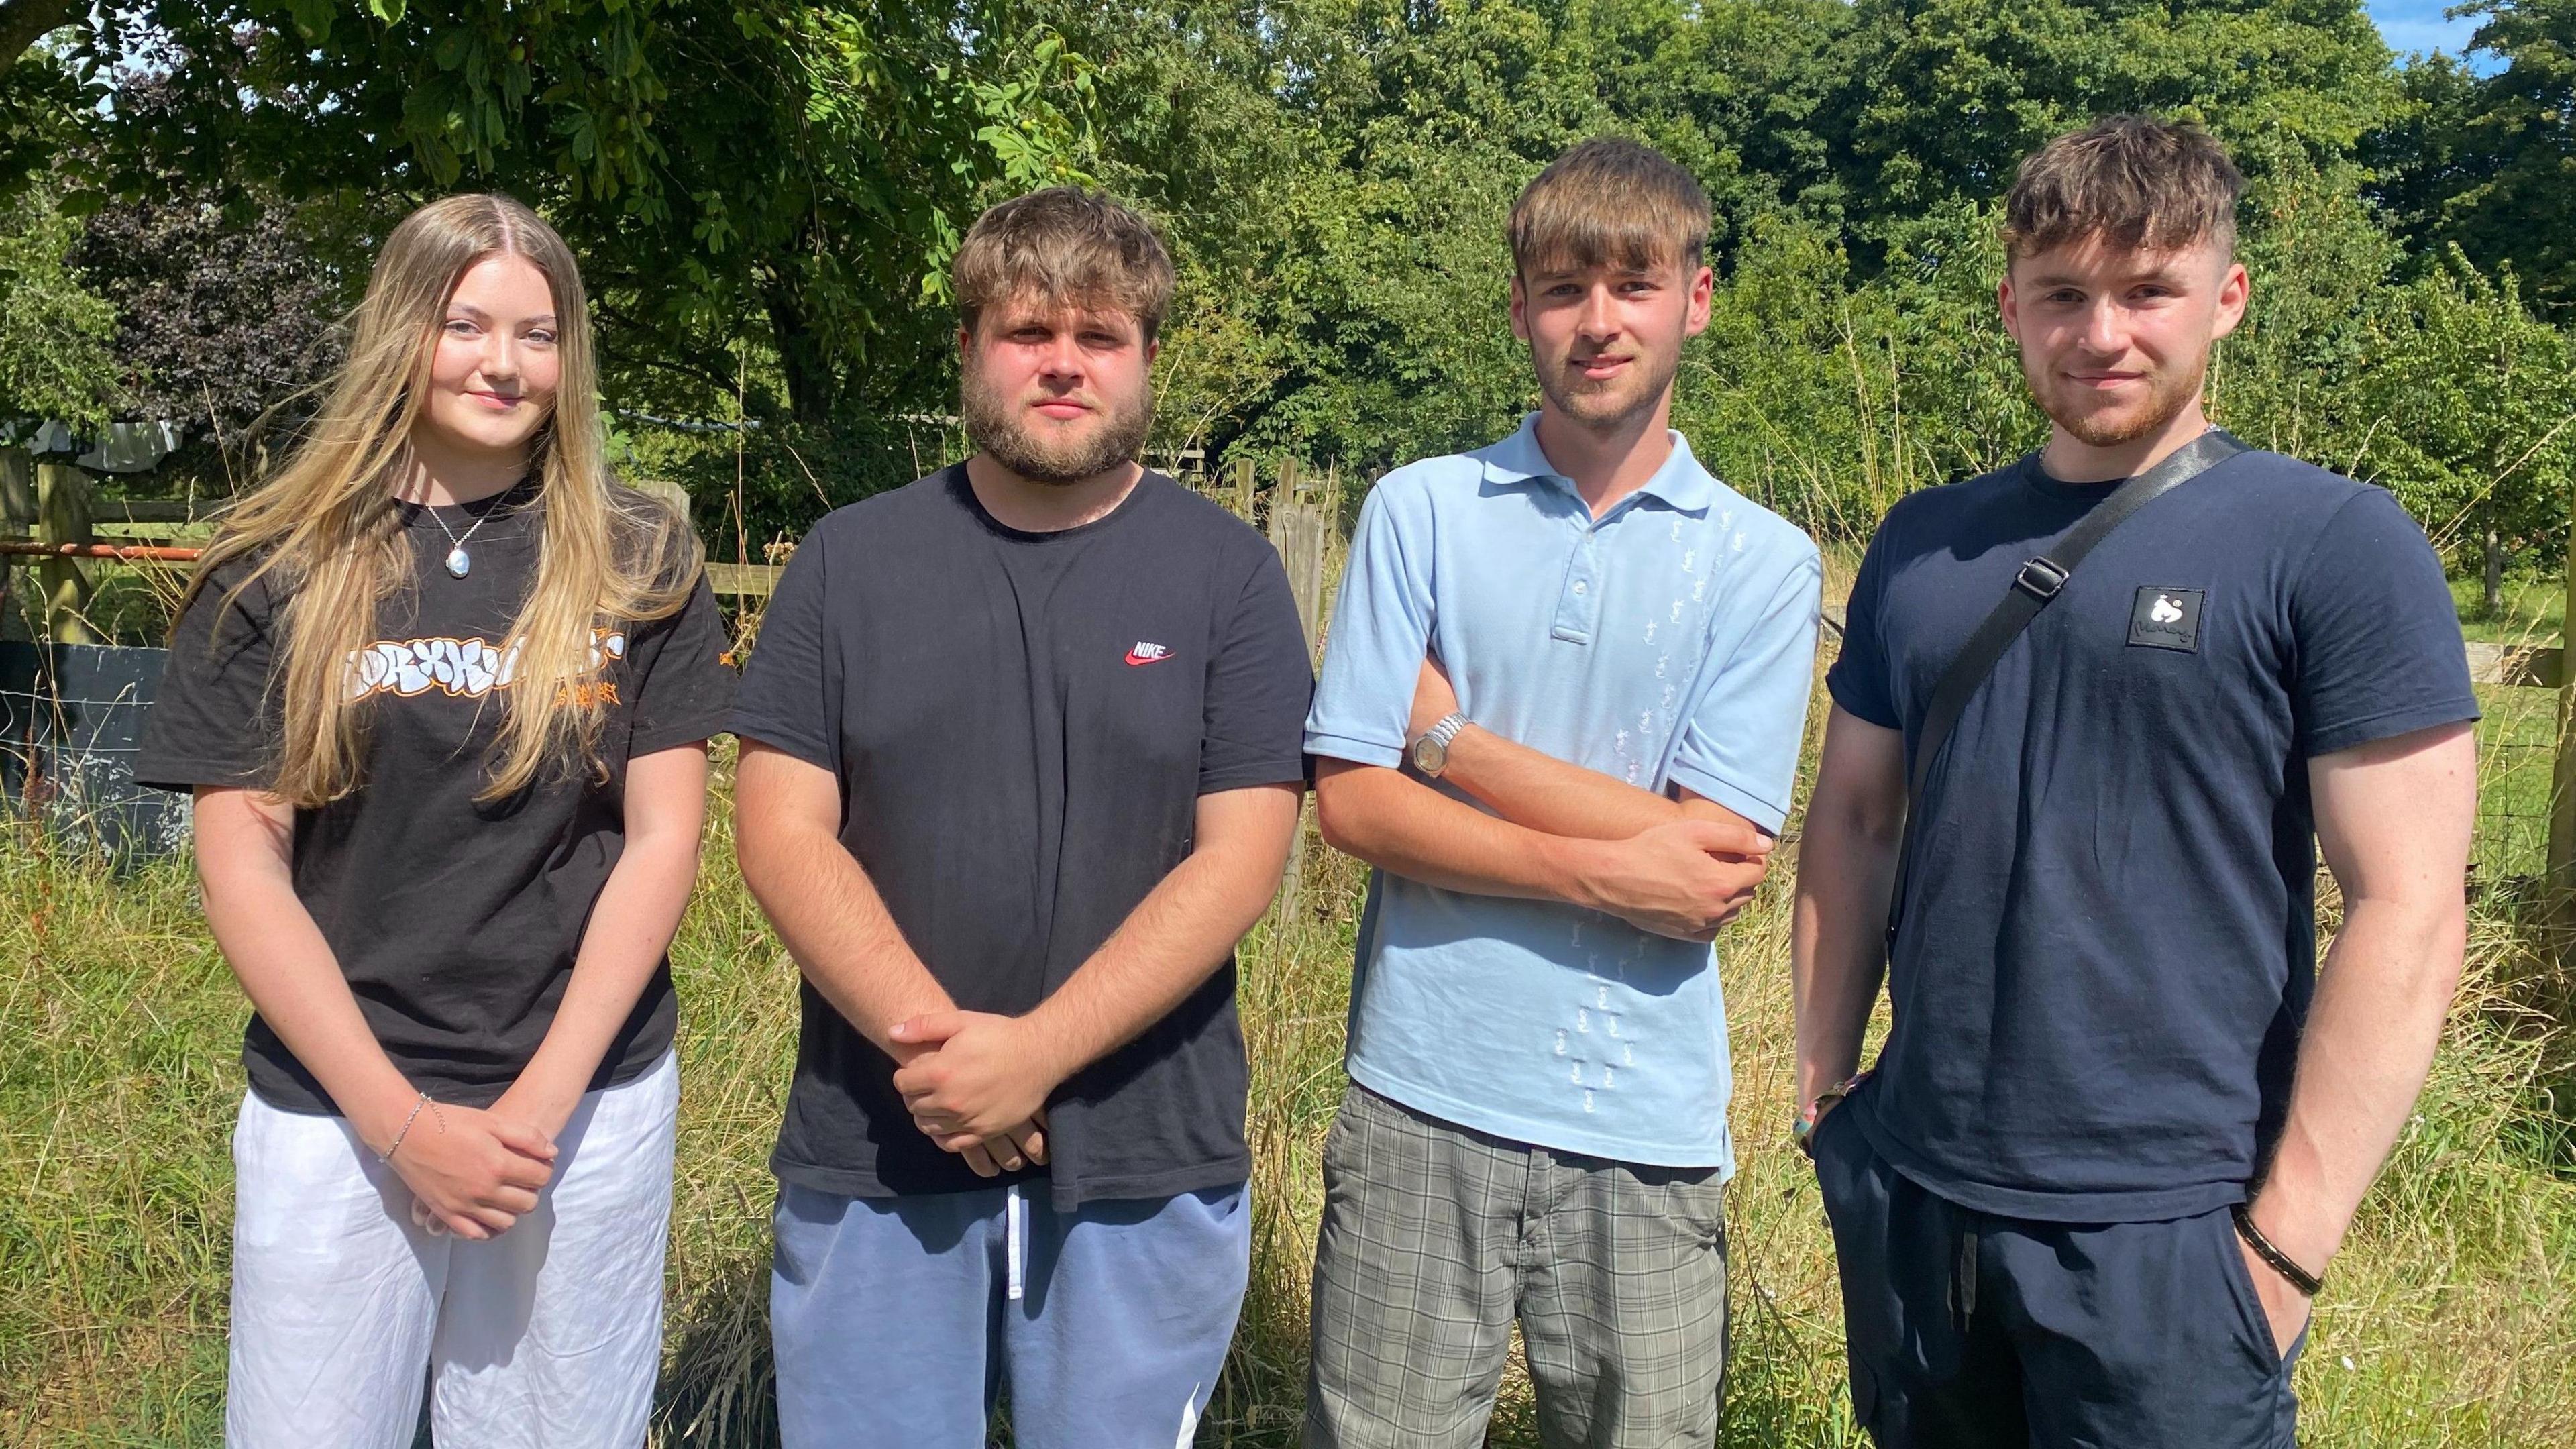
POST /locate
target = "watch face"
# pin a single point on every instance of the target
(1429, 755)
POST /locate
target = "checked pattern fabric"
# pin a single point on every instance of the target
(1436, 1238)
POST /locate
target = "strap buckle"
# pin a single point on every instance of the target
(2041, 579)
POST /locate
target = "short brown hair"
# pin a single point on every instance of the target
(2134, 181)
(1068, 246)
(1610, 202)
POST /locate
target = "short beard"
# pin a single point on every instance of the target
(1600, 407)
(993, 424)
(2164, 404)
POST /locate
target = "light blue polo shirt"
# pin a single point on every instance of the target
(1669, 642)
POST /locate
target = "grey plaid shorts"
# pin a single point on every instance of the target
(1436, 1237)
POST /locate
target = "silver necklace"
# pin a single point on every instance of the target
(459, 562)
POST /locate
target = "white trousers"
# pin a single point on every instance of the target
(546, 1337)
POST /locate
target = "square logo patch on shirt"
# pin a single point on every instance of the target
(2167, 618)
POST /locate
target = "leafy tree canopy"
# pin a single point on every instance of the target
(764, 194)
(2489, 163)
(762, 172)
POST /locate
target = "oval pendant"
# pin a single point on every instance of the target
(457, 562)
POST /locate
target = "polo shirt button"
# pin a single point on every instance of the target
(1578, 586)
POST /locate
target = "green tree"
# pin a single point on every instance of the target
(2475, 401)
(1342, 167)
(1944, 97)
(763, 193)
(2293, 375)
(1827, 399)
(54, 333)
(782, 178)
(2489, 163)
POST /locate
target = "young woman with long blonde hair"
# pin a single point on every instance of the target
(442, 689)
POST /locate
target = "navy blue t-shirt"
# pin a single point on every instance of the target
(2108, 940)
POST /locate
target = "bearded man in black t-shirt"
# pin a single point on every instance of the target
(2121, 1122)
(1021, 762)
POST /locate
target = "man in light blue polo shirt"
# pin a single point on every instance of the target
(1560, 711)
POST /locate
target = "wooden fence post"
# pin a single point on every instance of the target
(668, 492)
(1335, 546)
(17, 490)
(63, 516)
(2560, 882)
(17, 520)
(1297, 530)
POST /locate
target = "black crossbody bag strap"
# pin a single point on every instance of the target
(2036, 587)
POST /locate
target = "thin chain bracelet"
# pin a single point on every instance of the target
(387, 1155)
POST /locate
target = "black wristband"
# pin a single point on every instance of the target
(2308, 1284)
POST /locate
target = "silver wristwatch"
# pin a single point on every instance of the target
(1431, 752)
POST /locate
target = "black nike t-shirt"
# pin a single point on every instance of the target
(456, 921)
(1022, 724)
(2104, 964)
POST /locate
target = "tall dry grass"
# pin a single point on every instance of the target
(2451, 1319)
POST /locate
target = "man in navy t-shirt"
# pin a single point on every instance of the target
(2121, 1122)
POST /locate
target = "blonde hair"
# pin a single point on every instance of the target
(328, 533)
(1609, 202)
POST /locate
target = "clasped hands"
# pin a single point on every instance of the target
(475, 1172)
(1685, 878)
(976, 1083)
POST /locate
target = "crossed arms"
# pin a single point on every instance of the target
(1679, 866)
(977, 1082)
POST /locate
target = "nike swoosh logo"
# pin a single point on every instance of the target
(1135, 658)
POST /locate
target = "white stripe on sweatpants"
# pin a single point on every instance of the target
(549, 1335)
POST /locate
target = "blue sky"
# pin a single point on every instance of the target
(2418, 25)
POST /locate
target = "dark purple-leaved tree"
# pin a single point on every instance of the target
(223, 315)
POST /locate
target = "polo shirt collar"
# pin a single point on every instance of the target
(1681, 483)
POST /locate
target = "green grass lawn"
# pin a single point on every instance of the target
(2450, 1319)
(2535, 609)
(2515, 740)
(2519, 730)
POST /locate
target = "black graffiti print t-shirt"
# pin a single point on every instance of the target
(456, 921)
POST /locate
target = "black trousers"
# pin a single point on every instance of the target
(1972, 1331)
